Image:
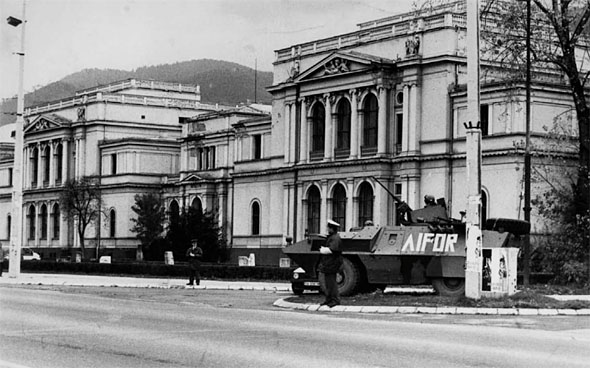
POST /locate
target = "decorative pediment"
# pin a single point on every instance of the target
(191, 178)
(340, 63)
(45, 122)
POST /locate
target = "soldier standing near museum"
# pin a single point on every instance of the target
(194, 255)
(330, 264)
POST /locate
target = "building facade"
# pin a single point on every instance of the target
(354, 118)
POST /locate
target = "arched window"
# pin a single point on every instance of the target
(31, 218)
(56, 221)
(370, 110)
(339, 205)
(343, 125)
(314, 201)
(43, 221)
(112, 223)
(255, 218)
(318, 121)
(46, 166)
(174, 212)
(365, 203)
(197, 205)
(34, 166)
(59, 152)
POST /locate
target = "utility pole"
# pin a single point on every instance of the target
(473, 240)
(527, 151)
(16, 231)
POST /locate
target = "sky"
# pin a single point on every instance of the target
(66, 36)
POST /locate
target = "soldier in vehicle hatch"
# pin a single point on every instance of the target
(330, 263)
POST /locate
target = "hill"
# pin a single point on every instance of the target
(221, 82)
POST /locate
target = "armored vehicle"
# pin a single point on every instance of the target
(427, 247)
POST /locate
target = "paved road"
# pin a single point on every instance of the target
(122, 328)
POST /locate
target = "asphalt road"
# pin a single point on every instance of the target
(118, 327)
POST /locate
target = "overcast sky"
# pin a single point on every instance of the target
(66, 36)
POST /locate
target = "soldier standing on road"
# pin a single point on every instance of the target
(194, 255)
(330, 264)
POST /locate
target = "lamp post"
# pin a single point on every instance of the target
(16, 230)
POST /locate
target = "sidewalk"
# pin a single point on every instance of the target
(177, 283)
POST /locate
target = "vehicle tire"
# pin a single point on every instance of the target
(349, 278)
(516, 227)
(449, 286)
(297, 290)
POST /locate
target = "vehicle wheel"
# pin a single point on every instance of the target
(449, 286)
(516, 227)
(349, 278)
(297, 290)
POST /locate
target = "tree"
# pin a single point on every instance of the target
(194, 224)
(148, 225)
(559, 47)
(559, 44)
(80, 201)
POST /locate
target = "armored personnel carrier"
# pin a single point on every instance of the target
(427, 247)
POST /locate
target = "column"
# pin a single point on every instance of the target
(304, 152)
(328, 151)
(324, 206)
(37, 225)
(39, 166)
(406, 118)
(299, 226)
(293, 133)
(26, 167)
(65, 160)
(349, 205)
(414, 128)
(287, 131)
(285, 211)
(51, 165)
(354, 124)
(382, 122)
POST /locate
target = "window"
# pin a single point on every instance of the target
(174, 213)
(43, 220)
(200, 154)
(113, 163)
(10, 176)
(484, 115)
(31, 218)
(339, 205)
(46, 166)
(370, 121)
(257, 142)
(212, 157)
(365, 203)
(34, 166)
(56, 221)
(197, 205)
(313, 210)
(399, 132)
(255, 218)
(343, 125)
(318, 120)
(58, 163)
(112, 223)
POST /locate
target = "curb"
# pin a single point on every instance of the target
(282, 303)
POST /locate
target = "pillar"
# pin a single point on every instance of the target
(382, 122)
(51, 162)
(328, 135)
(65, 164)
(406, 118)
(349, 204)
(414, 123)
(287, 128)
(304, 150)
(293, 133)
(324, 206)
(354, 125)
(39, 166)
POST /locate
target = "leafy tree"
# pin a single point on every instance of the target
(148, 225)
(80, 201)
(193, 224)
(559, 47)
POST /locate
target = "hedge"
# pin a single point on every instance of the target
(181, 270)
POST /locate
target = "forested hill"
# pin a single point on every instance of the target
(220, 81)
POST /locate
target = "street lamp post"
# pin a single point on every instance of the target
(16, 230)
